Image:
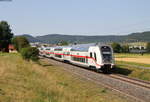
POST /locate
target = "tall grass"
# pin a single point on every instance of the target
(22, 81)
(133, 64)
(129, 67)
(131, 71)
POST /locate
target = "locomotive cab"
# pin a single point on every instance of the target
(101, 57)
(107, 58)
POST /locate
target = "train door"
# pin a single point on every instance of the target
(94, 59)
(66, 54)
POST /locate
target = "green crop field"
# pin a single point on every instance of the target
(22, 81)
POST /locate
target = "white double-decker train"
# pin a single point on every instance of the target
(98, 57)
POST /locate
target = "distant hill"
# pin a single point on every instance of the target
(55, 38)
(31, 38)
(144, 36)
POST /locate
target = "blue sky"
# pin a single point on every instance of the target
(76, 17)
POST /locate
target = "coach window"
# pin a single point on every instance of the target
(86, 59)
(91, 54)
(95, 56)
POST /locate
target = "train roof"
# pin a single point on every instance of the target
(85, 47)
(47, 48)
(78, 47)
(82, 47)
(61, 47)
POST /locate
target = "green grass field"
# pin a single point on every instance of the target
(131, 71)
(133, 59)
(133, 63)
(22, 81)
(127, 65)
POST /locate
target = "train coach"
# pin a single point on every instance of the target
(98, 57)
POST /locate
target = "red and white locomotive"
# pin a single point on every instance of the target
(99, 57)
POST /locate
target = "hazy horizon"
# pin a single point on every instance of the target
(76, 17)
(80, 34)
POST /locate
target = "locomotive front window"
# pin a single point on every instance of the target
(105, 49)
(106, 54)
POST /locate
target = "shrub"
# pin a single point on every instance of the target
(125, 48)
(148, 47)
(116, 47)
(20, 42)
(30, 53)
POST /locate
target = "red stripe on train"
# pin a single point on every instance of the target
(87, 57)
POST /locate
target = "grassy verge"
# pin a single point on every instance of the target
(131, 71)
(133, 63)
(22, 81)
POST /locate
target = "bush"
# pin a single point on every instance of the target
(30, 53)
(148, 47)
(125, 49)
(116, 47)
(20, 42)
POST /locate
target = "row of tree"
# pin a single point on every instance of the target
(118, 48)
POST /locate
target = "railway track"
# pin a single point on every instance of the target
(136, 89)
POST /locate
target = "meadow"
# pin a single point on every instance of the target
(136, 58)
(131, 55)
(22, 81)
(129, 64)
